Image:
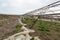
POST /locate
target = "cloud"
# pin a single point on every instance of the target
(3, 5)
(22, 6)
(17, 3)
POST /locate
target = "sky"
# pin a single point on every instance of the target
(19, 7)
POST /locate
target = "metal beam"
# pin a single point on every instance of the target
(44, 9)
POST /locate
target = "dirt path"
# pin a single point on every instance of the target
(24, 35)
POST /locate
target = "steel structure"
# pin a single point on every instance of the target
(42, 13)
(43, 10)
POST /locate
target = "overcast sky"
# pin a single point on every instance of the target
(19, 7)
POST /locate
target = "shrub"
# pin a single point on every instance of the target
(43, 28)
(18, 27)
(32, 38)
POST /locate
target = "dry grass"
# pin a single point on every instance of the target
(7, 25)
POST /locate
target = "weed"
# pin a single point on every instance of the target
(18, 27)
(32, 38)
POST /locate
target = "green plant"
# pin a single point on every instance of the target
(18, 27)
(28, 21)
(32, 38)
(43, 28)
(58, 35)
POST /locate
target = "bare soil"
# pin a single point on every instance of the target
(7, 25)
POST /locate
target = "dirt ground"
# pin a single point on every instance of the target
(7, 25)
